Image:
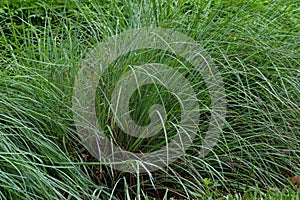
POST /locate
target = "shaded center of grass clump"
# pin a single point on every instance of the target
(148, 95)
(145, 97)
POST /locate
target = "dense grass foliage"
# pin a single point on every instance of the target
(254, 44)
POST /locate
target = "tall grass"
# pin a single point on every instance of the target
(255, 45)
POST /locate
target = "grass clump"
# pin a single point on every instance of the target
(255, 47)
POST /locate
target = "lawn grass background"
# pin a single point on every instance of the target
(255, 45)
